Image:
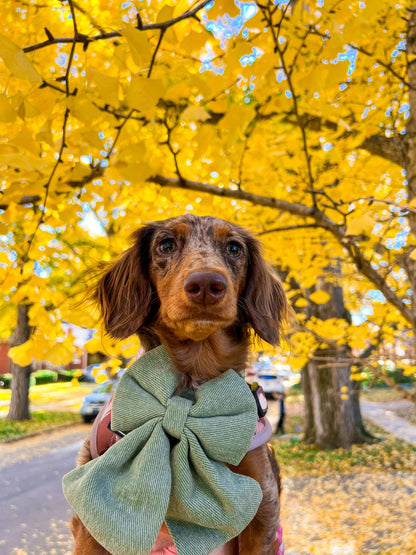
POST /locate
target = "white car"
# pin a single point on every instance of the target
(270, 382)
(270, 376)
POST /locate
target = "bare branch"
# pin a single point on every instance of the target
(85, 39)
(321, 220)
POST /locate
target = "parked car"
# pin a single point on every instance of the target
(269, 375)
(270, 382)
(95, 401)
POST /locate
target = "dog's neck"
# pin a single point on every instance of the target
(201, 361)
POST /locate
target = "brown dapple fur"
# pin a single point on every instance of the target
(199, 286)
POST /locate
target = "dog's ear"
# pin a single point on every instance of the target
(263, 302)
(125, 293)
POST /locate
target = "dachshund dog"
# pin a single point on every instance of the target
(200, 287)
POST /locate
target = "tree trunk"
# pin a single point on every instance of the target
(19, 405)
(332, 410)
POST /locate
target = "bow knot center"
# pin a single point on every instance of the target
(176, 416)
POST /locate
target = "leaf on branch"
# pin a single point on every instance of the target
(7, 114)
(222, 7)
(195, 113)
(413, 254)
(17, 61)
(165, 14)
(22, 354)
(107, 86)
(61, 353)
(143, 94)
(360, 225)
(82, 109)
(139, 46)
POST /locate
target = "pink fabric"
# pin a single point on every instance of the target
(279, 538)
(262, 433)
(171, 550)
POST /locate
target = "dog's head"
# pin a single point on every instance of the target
(189, 277)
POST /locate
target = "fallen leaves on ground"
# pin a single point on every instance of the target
(350, 514)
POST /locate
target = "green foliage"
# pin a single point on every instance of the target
(44, 376)
(67, 375)
(5, 381)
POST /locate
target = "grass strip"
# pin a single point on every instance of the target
(41, 420)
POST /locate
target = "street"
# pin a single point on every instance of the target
(34, 514)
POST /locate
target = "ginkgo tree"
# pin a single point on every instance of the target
(293, 118)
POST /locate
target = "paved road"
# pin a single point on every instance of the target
(34, 515)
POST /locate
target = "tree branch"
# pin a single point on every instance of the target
(85, 39)
(390, 148)
(321, 220)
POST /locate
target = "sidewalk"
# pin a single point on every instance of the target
(382, 415)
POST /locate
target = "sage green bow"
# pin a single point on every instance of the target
(124, 496)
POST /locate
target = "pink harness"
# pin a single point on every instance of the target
(102, 438)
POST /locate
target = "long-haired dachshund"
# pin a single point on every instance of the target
(199, 286)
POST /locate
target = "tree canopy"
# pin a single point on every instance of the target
(293, 118)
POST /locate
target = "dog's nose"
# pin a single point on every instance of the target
(205, 287)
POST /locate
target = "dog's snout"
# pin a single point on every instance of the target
(205, 287)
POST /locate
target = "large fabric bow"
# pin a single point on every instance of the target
(124, 496)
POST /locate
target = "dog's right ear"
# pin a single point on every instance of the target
(124, 293)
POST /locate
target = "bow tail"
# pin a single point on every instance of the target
(214, 503)
(124, 511)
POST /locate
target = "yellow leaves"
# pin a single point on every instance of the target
(38, 316)
(143, 94)
(337, 73)
(61, 353)
(22, 354)
(139, 46)
(360, 225)
(408, 369)
(115, 350)
(165, 14)
(7, 114)
(320, 297)
(108, 87)
(82, 108)
(17, 61)
(301, 302)
(101, 378)
(58, 352)
(235, 120)
(195, 113)
(195, 41)
(222, 7)
(94, 345)
(80, 317)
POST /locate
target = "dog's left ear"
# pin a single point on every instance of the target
(263, 302)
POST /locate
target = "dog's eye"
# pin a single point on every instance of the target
(234, 249)
(167, 246)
